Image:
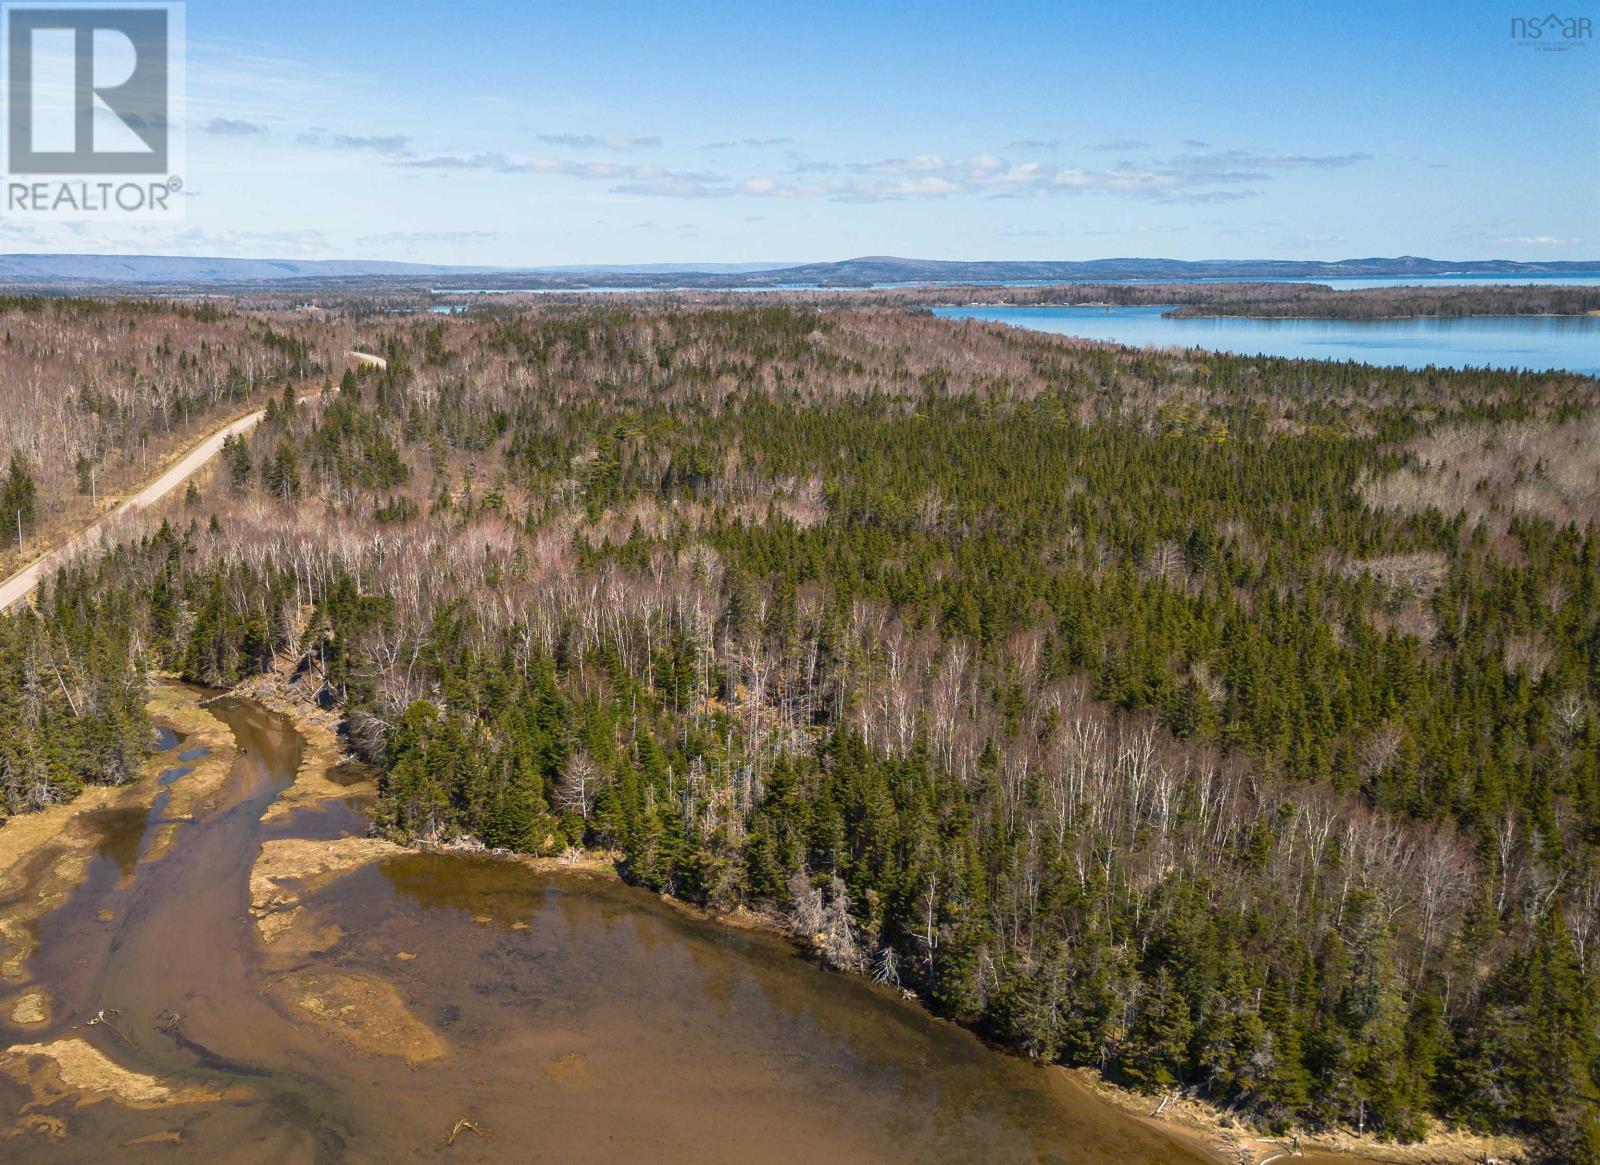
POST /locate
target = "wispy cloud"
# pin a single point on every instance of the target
(1235, 161)
(1029, 145)
(594, 141)
(492, 160)
(1190, 179)
(671, 185)
(489, 161)
(285, 244)
(235, 80)
(1122, 144)
(1207, 197)
(748, 143)
(228, 127)
(629, 174)
(353, 143)
(1535, 241)
(1185, 181)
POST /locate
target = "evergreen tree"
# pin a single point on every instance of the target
(19, 499)
(1156, 1052)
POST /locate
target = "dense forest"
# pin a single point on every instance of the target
(1299, 301)
(1273, 300)
(1259, 300)
(96, 394)
(370, 300)
(1225, 724)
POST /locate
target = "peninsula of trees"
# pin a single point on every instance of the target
(1257, 300)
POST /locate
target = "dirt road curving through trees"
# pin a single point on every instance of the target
(22, 583)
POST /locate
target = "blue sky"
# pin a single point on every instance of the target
(607, 132)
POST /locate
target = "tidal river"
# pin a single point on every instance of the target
(409, 1007)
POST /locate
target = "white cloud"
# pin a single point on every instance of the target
(1189, 179)
(748, 143)
(231, 127)
(1535, 241)
(592, 141)
(352, 143)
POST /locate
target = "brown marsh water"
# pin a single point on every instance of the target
(581, 1020)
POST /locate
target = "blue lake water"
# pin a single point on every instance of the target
(1537, 342)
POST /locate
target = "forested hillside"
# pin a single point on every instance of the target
(95, 395)
(1257, 300)
(1227, 724)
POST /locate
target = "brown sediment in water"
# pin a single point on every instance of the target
(693, 1043)
(365, 1011)
(571, 1071)
(159, 1137)
(45, 855)
(44, 886)
(288, 869)
(326, 772)
(32, 1009)
(140, 949)
(181, 708)
(74, 1069)
(287, 874)
(24, 836)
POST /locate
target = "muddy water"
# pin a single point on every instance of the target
(572, 1019)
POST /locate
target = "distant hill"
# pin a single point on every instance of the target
(889, 269)
(54, 270)
(86, 271)
(666, 268)
(878, 270)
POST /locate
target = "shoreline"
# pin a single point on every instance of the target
(1177, 312)
(1516, 315)
(1224, 1137)
(284, 872)
(1196, 1123)
(45, 855)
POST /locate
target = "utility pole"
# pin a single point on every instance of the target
(19, 531)
(94, 489)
